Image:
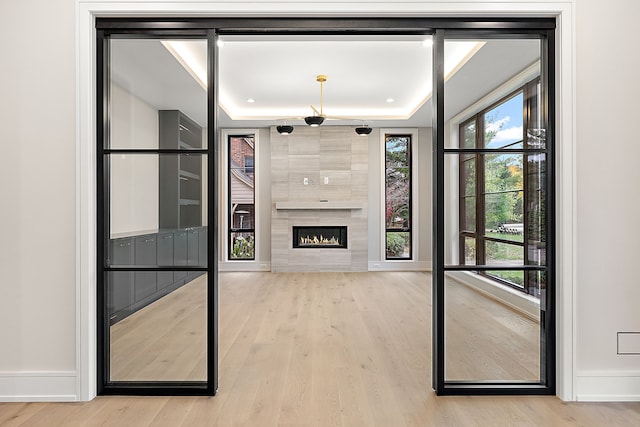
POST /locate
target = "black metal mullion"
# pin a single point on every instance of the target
(547, 316)
(438, 297)
(213, 172)
(102, 182)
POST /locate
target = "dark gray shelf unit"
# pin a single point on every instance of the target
(180, 194)
(128, 292)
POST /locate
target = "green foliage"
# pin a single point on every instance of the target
(243, 247)
(396, 244)
(502, 174)
(516, 277)
(397, 178)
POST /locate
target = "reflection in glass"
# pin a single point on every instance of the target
(138, 92)
(163, 341)
(487, 340)
(152, 192)
(498, 253)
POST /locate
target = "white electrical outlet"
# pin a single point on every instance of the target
(305, 181)
(326, 180)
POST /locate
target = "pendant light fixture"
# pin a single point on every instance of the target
(363, 130)
(318, 117)
(284, 129)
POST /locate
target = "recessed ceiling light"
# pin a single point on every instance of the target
(390, 100)
(427, 42)
(251, 100)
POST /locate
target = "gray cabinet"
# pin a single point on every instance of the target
(145, 254)
(120, 291)
(180, 253)
(127, 291)
(165, 258)
(202, 252)
(193, 247)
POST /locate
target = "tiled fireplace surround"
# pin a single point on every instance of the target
(334, 153)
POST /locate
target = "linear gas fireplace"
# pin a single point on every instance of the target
(320, 237)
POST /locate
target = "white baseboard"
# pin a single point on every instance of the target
(399, 265)
(607, 386)
(24, 386)
(244, 266)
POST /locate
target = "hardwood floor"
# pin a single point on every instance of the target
(323, 349)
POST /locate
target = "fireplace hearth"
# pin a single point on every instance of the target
(320, 237)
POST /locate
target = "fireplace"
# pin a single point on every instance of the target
(331, 237)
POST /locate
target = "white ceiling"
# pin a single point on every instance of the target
(280, 75)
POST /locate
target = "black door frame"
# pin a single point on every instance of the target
(211, 28)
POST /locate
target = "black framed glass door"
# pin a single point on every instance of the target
(493, 209)
(156, 266)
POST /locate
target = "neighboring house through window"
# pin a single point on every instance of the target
(241, 197)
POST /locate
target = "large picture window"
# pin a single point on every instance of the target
(398, 197)
(495, 188)
(242, 213)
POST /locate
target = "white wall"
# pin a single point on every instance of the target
(134, 178)
(608, 151)
(37, 200)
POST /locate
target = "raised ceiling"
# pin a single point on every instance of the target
(381, 81)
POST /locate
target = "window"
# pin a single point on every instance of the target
(398, 220)
(496, 187)
(241, 179)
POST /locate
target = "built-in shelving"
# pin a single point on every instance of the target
(180, 174)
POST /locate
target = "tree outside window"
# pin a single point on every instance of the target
(398, 196)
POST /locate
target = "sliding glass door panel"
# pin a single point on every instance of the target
(157, 281)
(494, 329)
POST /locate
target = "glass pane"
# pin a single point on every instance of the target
(397, 181)
(536, 201)
(242, 196)
(398, 245)
(492, 326)
(158, 327)
(242, 246)
(512, 277)
(497, 253)
(469, 135)
(504, 216)
(486, 339)
(503, 124)
(469, 176)
(469, 251)
(149, 108)
(469, 217)
(156, 207)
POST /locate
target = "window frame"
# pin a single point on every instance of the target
(412, 134)
(228, 225)
(529, 93)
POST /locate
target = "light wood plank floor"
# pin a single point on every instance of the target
(328, 349)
